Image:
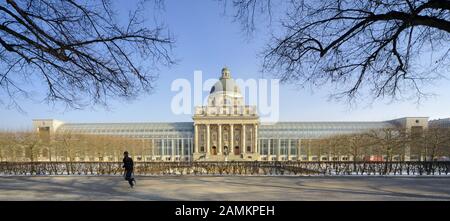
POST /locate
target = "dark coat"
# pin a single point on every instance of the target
(128, 163)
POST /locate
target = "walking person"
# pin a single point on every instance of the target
(128, 165)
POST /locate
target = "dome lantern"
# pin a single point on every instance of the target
(225, 73)
(226, 84)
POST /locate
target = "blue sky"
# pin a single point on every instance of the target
(207, 40)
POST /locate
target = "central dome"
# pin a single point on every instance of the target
(226, 84)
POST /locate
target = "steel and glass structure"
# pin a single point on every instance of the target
(227, 129)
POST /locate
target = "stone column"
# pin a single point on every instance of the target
(195, 138)
(207, 139)
(172, 158)
(278, 149)
(153, 147)
(299, 146)
(219, 137)
(289, 149)
(163, 149)
(309, 150)
(190, 149)
(231, 150)
(269, 158)
(256, 138)
(182, 147)
(243, 147)
(330, 155)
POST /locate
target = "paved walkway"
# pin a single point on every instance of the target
(226, 188)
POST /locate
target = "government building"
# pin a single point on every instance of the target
(227, 129)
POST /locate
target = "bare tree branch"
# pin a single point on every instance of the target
(362, 47)
(78, 51)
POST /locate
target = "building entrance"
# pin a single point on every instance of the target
(236, 150)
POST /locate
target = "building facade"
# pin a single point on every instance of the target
(440, 123)
(227, 129)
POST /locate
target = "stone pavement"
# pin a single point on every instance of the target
(224, 188)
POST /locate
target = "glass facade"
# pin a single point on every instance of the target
(175, 141)
(315, 130)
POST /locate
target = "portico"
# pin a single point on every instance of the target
(226, 127)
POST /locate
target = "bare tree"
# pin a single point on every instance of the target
(357, 145)
(67, 146)
(363, 47)
(319, 148)
(337, 145)
(31, 143)
(78, 50)
(435, 143)
(7, 146)
(390, 141)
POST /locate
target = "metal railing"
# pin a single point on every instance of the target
(274, 168)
